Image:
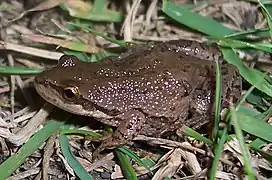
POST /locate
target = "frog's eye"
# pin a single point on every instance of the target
(71, 93)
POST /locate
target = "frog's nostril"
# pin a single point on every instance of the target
(46, 82)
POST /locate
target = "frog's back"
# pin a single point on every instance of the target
(155, 81)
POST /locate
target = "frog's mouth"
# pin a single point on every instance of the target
(52, 96)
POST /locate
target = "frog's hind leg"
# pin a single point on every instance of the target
(129, 127)
(193, 122)
(197, 121)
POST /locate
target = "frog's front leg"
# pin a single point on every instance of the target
(130, 125)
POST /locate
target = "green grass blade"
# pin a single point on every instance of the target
(263, 1)
(217, 153)
(126, 167)
(243, 147)
(72, 161)
(208, 26)
(256, 145)
(255, 126)
(265, 115)
(190, 132)
(18, 71)
(267, 15)
(96, 12)
(249, 111)
(98, 5)
(120, 43)
(13, 162)
(136, 158)
(260, 33)
(80, 132)
(217, 102)
(185, 16)
(253, 76)
(265, 47)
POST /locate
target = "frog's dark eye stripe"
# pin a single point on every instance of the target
(71, 93)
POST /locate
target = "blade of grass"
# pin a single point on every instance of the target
(241, 140)
(80, 132)
(190, 132)
(267, 15)
(265, 115)
(259, 131)
(120, 43)
(218, 145)
(136, 158)
(98, 5)
(185, 16)
(266, 155)
(249, 111)
(253, 76)
(18, 71)
(259, 33)
(94, 12)
(223, 137)
(265, 47)
(252, 124)
(256, 145)
(217, 153)
(217, 102)
(255, 126)
(263, 1)
(72, 161)
(13, 162)
(257, 101)
(127, 169)
(243, 99)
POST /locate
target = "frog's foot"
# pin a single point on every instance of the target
(110, 143)
(129, 127)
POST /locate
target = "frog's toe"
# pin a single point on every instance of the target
(109, 144)
(100, 139)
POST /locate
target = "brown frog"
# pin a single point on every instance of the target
(150, 90)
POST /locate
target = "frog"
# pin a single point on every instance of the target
(149, 90)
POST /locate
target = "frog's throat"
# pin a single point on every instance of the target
(53, 97)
